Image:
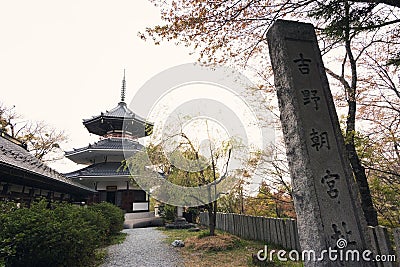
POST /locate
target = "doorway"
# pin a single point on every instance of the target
(111, 193)
(111, 197)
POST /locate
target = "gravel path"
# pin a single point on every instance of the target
(143, 247)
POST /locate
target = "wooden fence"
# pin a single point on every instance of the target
(283, 232)
(276, 231)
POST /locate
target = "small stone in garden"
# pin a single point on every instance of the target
(196, 229)
(178, 243)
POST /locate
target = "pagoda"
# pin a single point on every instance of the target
(119, 130)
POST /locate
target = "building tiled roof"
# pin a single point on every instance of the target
(110, 143)
(14, 156)
(100, 169)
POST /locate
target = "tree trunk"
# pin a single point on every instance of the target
(362, 182)
(358, 170)
(212, 217)
(369, 211)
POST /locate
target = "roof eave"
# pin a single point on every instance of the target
(45, 179)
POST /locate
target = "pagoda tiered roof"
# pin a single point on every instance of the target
(110, 144)
(108, 147)
(117, 120)
(122, 110)
(104, 169)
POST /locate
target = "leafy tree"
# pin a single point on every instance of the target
(234, 200)
(379, 149)
(346, 26)
(349, 32)
(40, 138)
(382, 165)
(271, 203)
(8, 118)
(221, 30)
(198, 170)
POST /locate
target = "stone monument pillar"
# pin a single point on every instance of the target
(326, 198)
(180, 222)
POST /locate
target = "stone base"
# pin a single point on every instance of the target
(142, 219)
(180, 223)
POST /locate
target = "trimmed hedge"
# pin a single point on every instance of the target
(64, 235)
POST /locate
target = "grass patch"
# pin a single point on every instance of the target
(222, 250)
(203, 234)
(219, 242)
(182, 234)
(118, 238)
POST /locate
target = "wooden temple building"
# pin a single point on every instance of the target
(119, 130)
(24, 178)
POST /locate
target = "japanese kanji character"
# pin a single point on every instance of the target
(319, 140)
(329, 179)
(302, 63)
(310, 95)
(342, 232)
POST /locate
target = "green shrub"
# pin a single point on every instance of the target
(7, 206)
(98, 222)
(6, 248)
(113, 215)
(168, 212)
(65, 235)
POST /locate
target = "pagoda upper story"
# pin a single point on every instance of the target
(119, 121)
(105, 150)
(119, 130)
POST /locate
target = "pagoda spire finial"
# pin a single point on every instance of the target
(123, 89)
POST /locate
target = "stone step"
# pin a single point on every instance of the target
(143, 222)
(139, 215)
